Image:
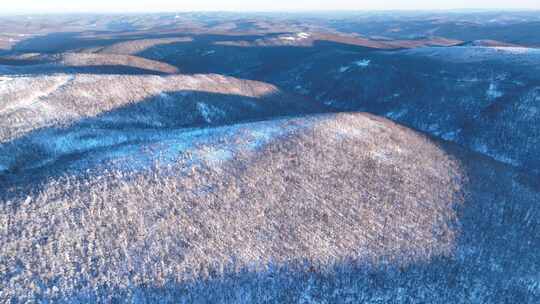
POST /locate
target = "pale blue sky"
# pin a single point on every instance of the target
(45, 6)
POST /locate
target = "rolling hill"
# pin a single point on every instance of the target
(327, 195)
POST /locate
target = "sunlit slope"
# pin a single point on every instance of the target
(30, 103)
(295, 213)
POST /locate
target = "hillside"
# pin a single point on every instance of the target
(483, 98)
(34, 102)
(83, 63)
(329, 194)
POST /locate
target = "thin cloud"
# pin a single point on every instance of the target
(38, 6)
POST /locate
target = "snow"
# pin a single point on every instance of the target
(532, 112)
(164, 96)
(209, 112)
(532, 283)
(483, 149)
(434, 128)
(492, 92)
(479, 53)
(30, 101)
(298, 36)
(480, 147)
(513, 50)
(216, 155)
(17, 34)
(330, 102)
(362, 63)
(348, 131)
(218, 144)
(303, 35)
(450, 136)
(83, 141)
(288, 38)
(396, 114)
(301, 90)
(208, 53)
(264, 134)
(140, 148)
(381, 156)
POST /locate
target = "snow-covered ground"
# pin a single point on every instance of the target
(493, 92)
(136, 149)
(471, 54)
(37, 101)
(297, 37)
(30, 101)
(209, 112)
(362, 63)
(207, 53)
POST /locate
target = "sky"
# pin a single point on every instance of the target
(55, 6)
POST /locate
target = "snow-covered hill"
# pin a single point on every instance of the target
(486, 99)
(282, 209)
